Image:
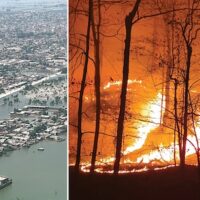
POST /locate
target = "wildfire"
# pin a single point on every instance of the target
(153, 110)
(100, 169)
(118, 83)
(160, 155)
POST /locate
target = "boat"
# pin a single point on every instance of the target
(4, 181)
(40, 149)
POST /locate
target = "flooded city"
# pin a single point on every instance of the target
(33, 98)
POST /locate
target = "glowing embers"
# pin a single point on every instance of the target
(118, 83)
(152, 115)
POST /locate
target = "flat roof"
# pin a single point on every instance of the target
(2, 178)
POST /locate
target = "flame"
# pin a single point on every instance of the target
(118, 83)
(161, 155)
(153, 112)
(153, 109)
(166, 154)
(86, 169)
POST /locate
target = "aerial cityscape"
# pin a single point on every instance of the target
(33, 98)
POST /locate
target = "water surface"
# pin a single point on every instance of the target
(36, 175)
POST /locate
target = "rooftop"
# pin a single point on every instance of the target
(2, 178)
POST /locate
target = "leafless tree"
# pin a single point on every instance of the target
(83, 84)
(128, 24)
(189, 30)
(96, 38)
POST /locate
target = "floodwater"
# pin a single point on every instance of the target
(23, 101)
(36, 174)
(6, 109)
(29, 4)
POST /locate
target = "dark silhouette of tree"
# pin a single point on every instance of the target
(189, 31)
(96, 38)
(120, 126)
(178, 81)
(83, 84)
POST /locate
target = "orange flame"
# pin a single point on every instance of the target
(152, 111)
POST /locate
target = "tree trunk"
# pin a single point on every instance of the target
(83, 83)
(96, 35)
(169, 49)
(186, 94)
(167, 78)
(176, 118)
(120, 127)
(195, 133)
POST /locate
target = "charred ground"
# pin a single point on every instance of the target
(172, 183)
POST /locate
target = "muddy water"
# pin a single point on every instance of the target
(35, 174)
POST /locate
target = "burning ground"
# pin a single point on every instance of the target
(148, 143)
(147, 169)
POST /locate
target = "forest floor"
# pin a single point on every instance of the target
(168, 184)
